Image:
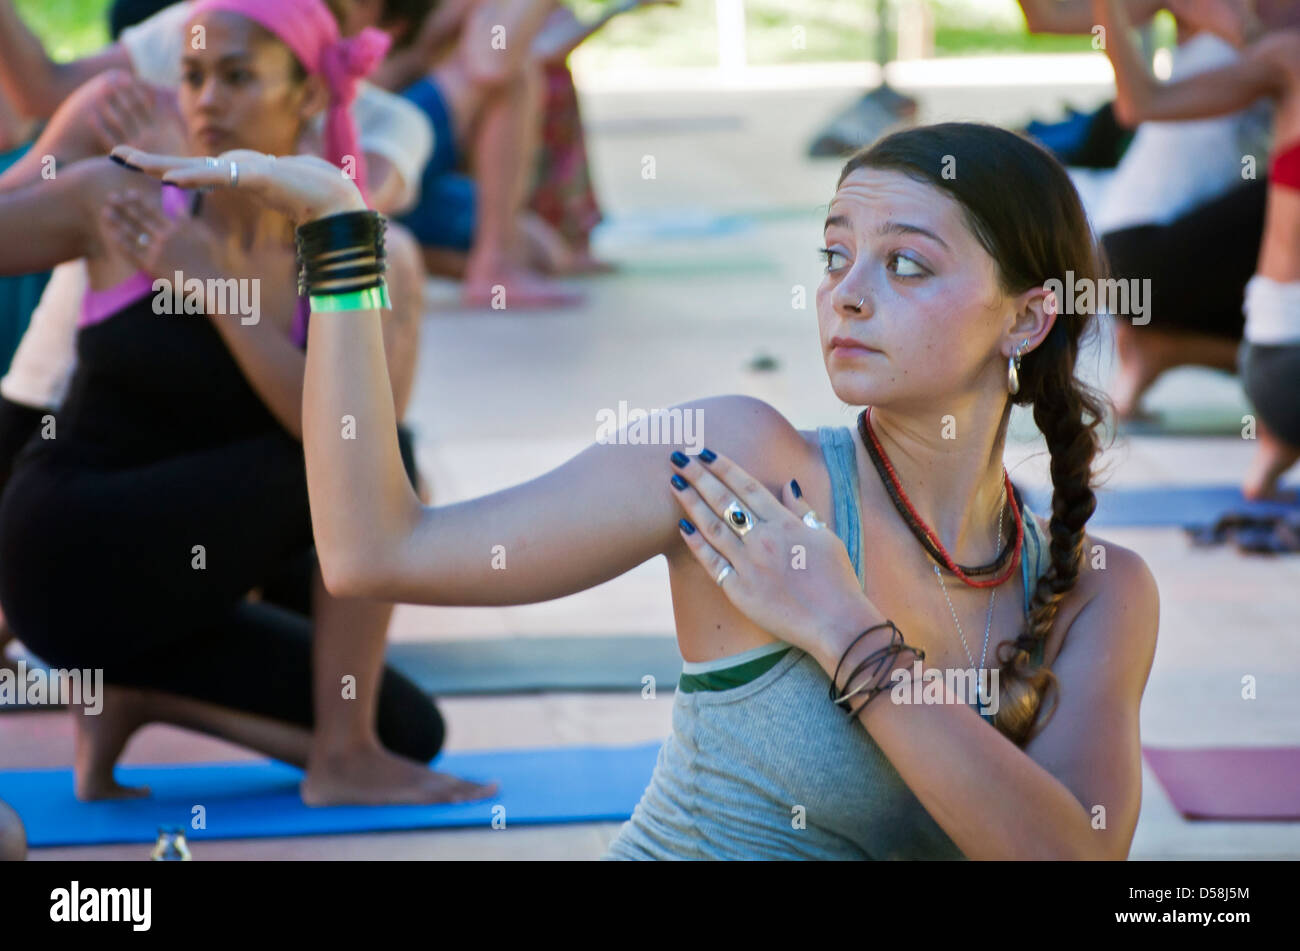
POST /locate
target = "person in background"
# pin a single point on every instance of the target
(484, 100)
(1269, 357)
(563, 197)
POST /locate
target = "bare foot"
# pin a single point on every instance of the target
(1272, 458)
(515, 288)
(545, 248)
(99, 740)
(1140, 363)
(373, 776)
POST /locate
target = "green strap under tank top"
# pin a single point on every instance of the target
(841, 462)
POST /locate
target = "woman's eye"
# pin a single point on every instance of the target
(906, 267)
(192, 79)
(830, 257)
(237, 76)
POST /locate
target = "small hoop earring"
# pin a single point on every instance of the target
(861, 301)
(1013, 369)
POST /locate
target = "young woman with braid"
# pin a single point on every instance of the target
(933, 312)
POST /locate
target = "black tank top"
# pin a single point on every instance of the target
(150, 386)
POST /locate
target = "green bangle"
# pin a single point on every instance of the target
(372, 298)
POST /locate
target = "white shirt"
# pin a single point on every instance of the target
(1171, 167)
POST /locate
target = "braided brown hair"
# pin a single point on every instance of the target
(1022, 207)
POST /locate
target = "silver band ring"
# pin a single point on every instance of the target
(738, 519)
(210, 162)
(722, 575)
(234, 174)
(142, 240)
(811, 520)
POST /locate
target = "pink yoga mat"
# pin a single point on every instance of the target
(1230, 783)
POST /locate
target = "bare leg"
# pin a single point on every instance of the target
(1272, 458)
(495, 98)
(1145, 354)
(346, 762)
(100, 739)
(343, 757)
(444, 262)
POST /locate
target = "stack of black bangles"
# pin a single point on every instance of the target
(341, 262)
(878, 681)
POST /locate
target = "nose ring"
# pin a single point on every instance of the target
(860, 302)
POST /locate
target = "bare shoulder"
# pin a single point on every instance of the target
(737, 425)
(1114, 609)
(757, 436)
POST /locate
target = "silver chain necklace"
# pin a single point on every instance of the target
(988, 623)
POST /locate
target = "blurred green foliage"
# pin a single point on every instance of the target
(70, 28)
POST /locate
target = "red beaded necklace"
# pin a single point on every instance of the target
(1006, 562)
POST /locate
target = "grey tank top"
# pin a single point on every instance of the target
(772, 769)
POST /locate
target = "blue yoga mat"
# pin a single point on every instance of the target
(1164, 506)
(260, 799)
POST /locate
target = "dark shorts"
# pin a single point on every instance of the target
(1216, 242)
(1271, 377)
(444, 215)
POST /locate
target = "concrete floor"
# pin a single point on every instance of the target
(708, 253)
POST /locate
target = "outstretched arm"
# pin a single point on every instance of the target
(595, 517)
(57, 217)
(1076, 16)
(34, 82)
(1261, 72)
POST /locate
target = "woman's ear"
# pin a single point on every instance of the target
(315, 98)
(1036, 313)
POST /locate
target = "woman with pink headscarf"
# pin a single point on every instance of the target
(172, 482)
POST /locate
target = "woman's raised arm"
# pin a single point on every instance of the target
(54, 220)
(1139, 97)
(601, 513)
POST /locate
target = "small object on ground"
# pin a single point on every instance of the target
(171, 846)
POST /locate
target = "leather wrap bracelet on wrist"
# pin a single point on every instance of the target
(342, 262)
(884, 658)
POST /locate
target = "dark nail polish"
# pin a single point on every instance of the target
(125, 164)
(687, 527)
(707, 455)
(679, 459)
(794, 487)
(678, 482)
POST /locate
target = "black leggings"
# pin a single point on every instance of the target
(96, 570)
(1198, 264)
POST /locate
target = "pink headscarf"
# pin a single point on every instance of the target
(310, 31)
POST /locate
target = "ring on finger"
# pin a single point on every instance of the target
(738, 519)
(234, 174)
(142, 240)
(210, 162)
(811, 520)
(722, 575)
